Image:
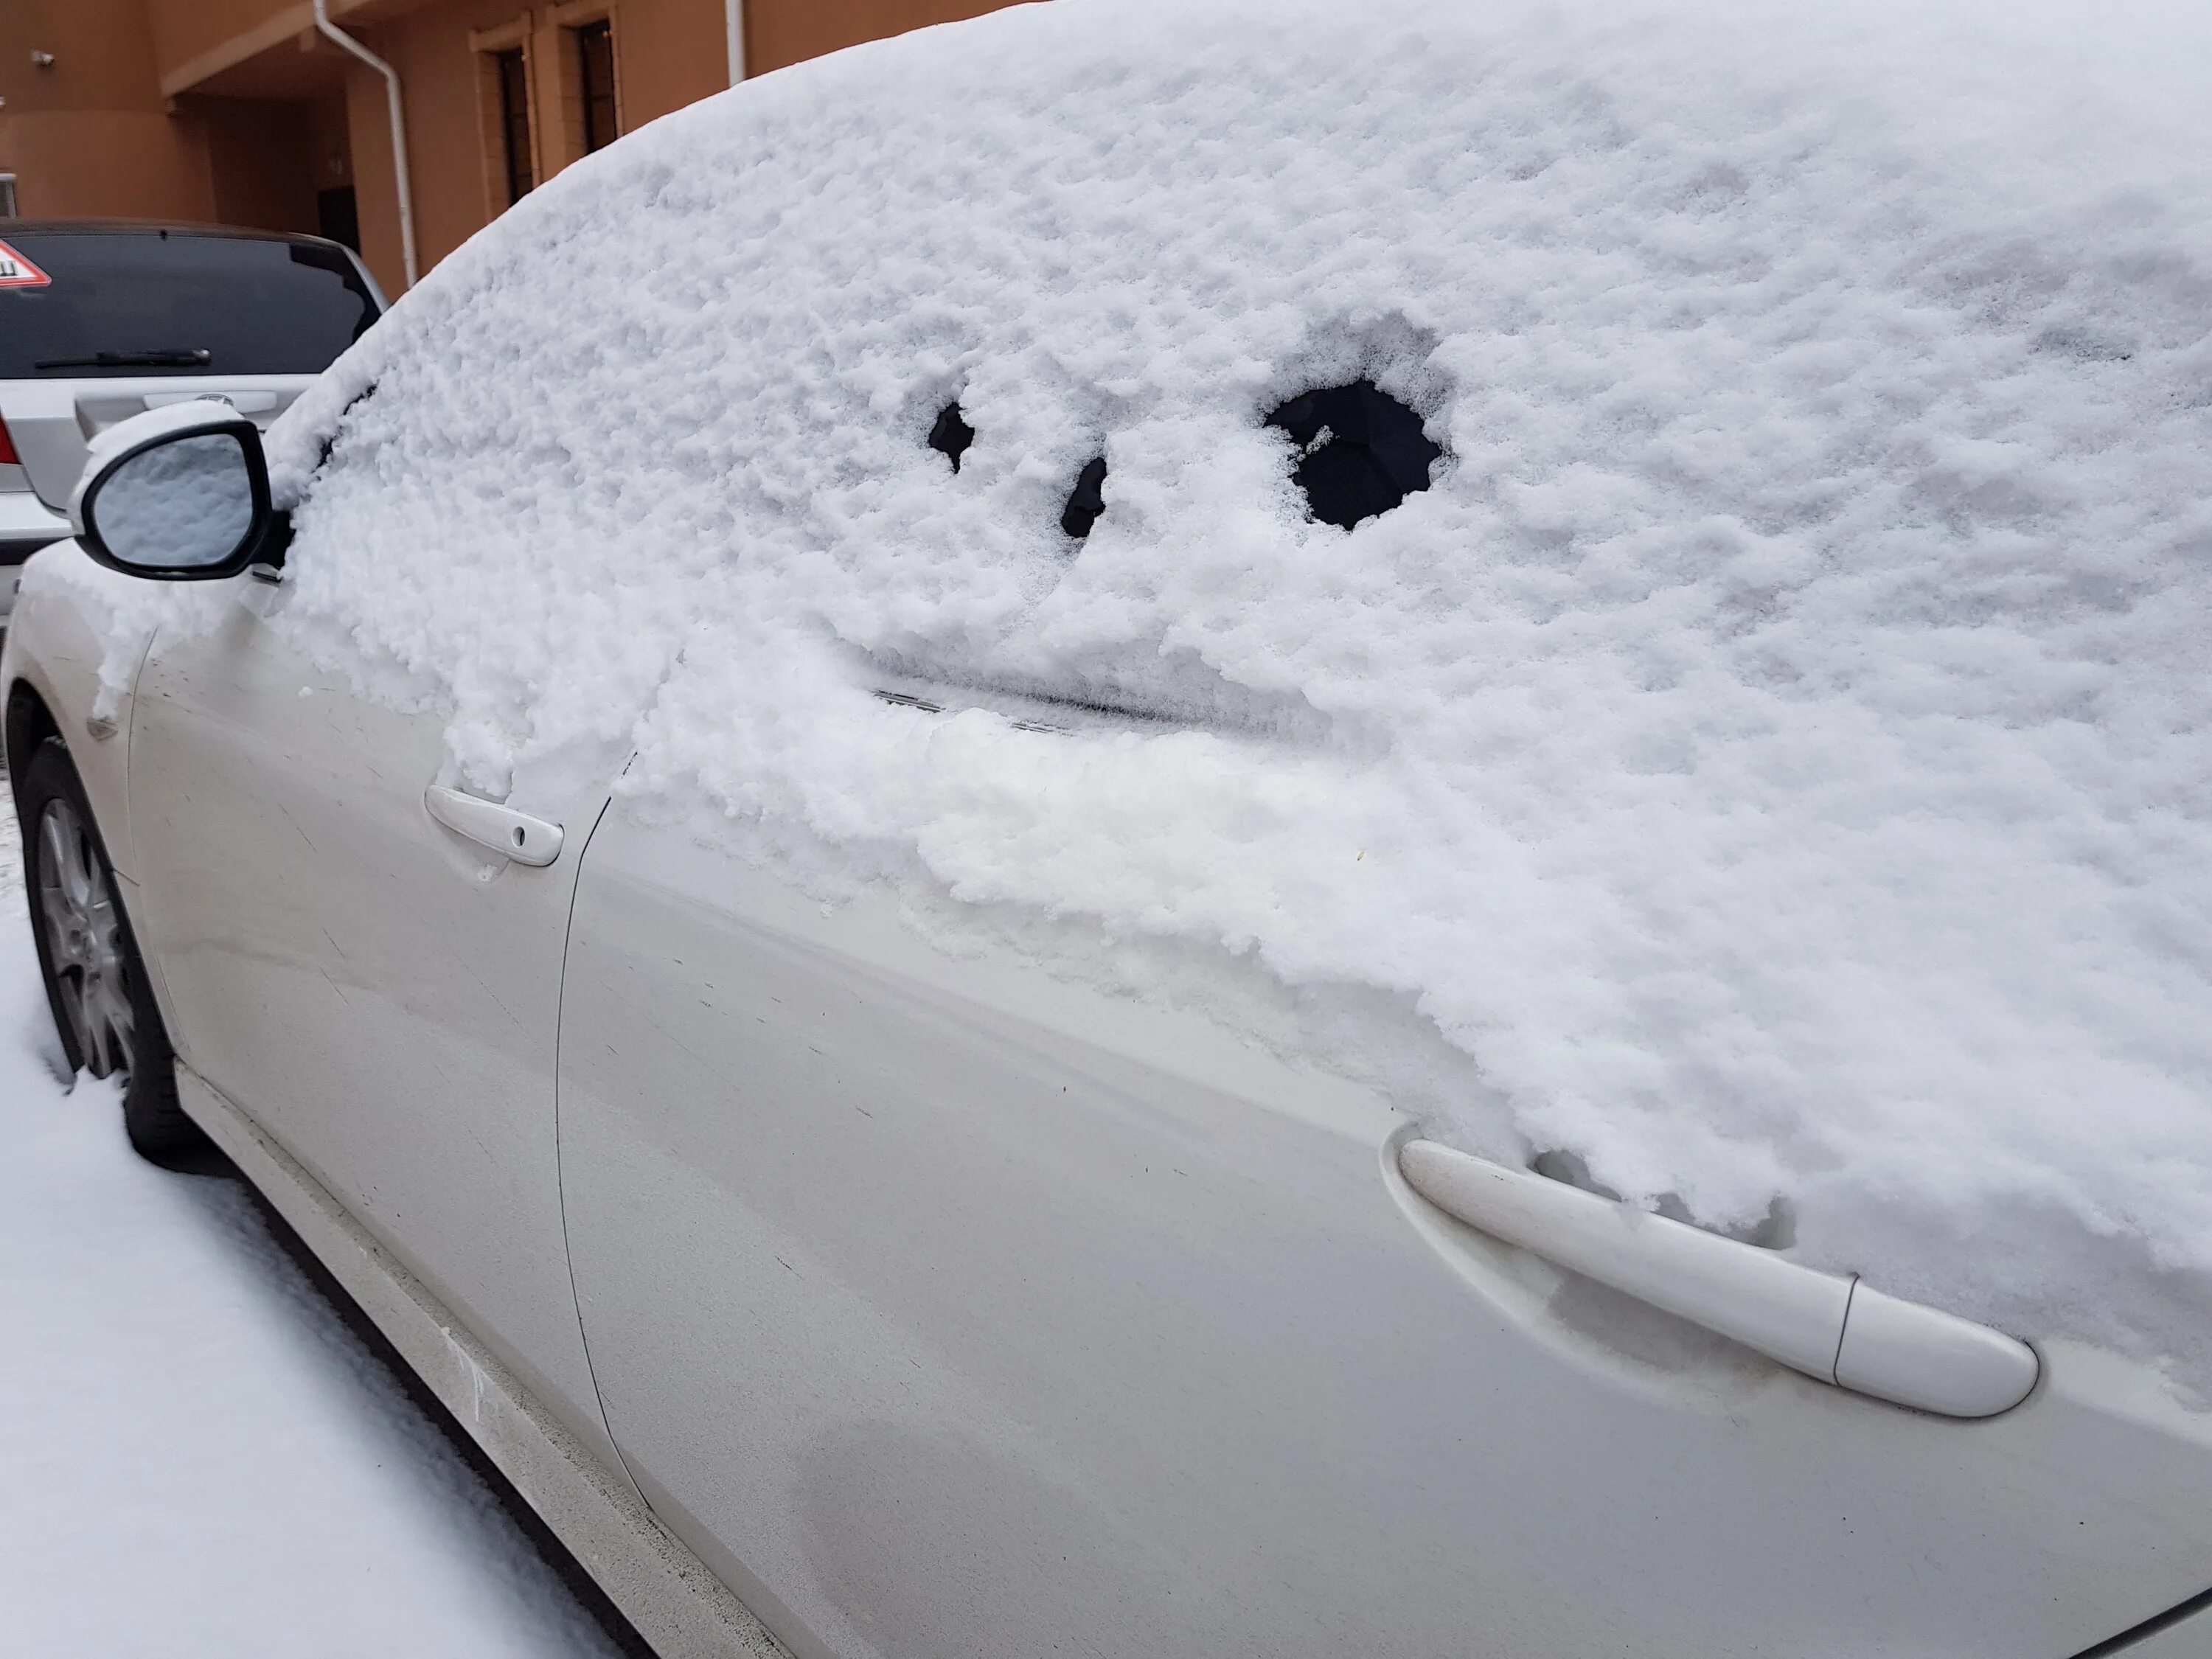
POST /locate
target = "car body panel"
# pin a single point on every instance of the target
(668, 1596)
(2186, 1637)
(951, 1309)
(945, 1306)
(377, 994)
(941, 1297)
(63, 648)
(53, 422)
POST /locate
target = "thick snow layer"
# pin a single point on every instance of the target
(1771, 761)
(197, 1459)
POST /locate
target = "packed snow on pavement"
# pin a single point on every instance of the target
(199, 1458)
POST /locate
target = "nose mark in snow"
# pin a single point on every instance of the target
(1087, 500)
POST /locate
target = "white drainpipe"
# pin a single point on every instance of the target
(398, 128)
(733, 22)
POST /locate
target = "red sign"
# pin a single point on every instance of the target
(16, 271)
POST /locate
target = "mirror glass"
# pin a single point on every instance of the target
(178, 505)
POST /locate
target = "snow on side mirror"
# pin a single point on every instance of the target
(180, 494)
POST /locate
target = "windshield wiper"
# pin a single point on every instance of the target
(128, 360)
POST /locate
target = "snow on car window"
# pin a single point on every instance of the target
(1769, 757)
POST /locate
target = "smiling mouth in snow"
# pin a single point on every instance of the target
(1202, 701)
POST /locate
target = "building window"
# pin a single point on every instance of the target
(513, 77)
(7, 195)
(595, 63)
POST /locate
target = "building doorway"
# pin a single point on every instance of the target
(337, 218)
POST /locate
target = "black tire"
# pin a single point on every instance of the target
(96, 984)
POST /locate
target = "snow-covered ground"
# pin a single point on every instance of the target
(198, 1457)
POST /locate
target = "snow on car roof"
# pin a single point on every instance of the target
(1768, 758)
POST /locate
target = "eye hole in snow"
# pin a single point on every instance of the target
(951, 434)
(1087, 500)
(1361, 450)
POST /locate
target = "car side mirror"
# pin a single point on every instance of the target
(179, 494)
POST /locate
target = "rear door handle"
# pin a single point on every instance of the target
(1839, 1330)
(500, 829)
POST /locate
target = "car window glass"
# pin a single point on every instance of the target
(157, 301)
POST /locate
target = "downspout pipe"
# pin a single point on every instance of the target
(733, 23)
(331, 31)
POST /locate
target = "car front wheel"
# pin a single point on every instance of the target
(96, 981)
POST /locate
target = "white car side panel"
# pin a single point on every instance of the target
(2191, 1638)
(58, 647)
(378, 995)
(948, 1309)
(661, 1586)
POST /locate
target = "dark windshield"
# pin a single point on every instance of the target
(151, 303)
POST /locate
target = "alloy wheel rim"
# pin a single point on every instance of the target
(85, 940)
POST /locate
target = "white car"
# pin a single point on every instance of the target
(1132, 831)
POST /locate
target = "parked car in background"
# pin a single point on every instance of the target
(102, 320)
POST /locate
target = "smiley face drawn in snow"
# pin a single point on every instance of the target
(1355, 453)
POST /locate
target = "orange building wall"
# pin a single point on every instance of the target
(376, 199)
(101, 163)
(187, 32)
(668, 53)
(445, 146)
(88, 136)
(329, 142)
(235, 111)
(783, 31)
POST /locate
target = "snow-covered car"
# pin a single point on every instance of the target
(102, 319)
(1210, 829)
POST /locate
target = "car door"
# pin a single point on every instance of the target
(950, 1308)
(375, 991)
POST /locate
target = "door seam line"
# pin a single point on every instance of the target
(560, 1177)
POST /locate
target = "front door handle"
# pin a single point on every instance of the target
(502, 828)
(1838, 1329)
